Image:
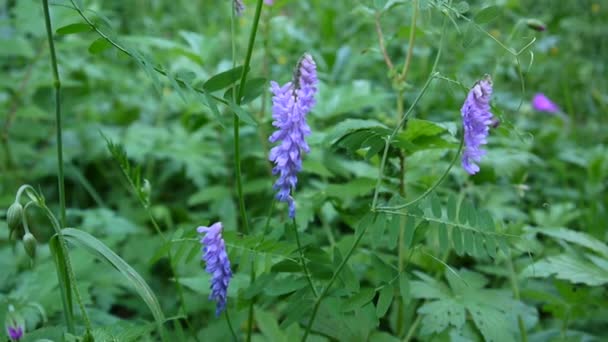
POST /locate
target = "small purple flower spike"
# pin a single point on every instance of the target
(14, 333)
(476, 119)
(218, 265)
(541, 103)
(269, 2)
(290, 105)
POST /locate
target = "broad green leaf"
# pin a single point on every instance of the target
(490, 246)
(438, 315)
(74, 28)
(99, 45)
(351, 125)
(223, 79)
(384, 300)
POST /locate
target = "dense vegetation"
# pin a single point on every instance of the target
(132, 129)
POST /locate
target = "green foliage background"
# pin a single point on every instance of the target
(516, 252)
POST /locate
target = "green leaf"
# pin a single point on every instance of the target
(435, 205)
(442, 233)
(487, 14)
(99, 46)
(358, 300)
(575, 237)
(452, 207)
(350, 125)
(491, 246)
(268, 325)
(570, 268)
(223, 79)
(410, 229)
(469, 242)
(244, 115)
(103, 253)
(384, 301)
(457, 240)
(74, 28)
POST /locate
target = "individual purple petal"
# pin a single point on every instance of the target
(541, 103)
(290, 105)
(476, 119)
(217, 263)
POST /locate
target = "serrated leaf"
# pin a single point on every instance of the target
(99, 45)
(384, 300)
(74, 28)
(575, 237)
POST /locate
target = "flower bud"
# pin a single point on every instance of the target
(14, 324)
(14, 216)
(30, 244)
(145, 190)
(536, 25)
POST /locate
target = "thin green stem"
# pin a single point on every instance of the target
(57, 86)
(68, 264)
(229, 322)
(237, 157)
(331, 282)
(302, 258)
(515, 288)
(410, 48)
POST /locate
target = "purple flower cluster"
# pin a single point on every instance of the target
(218, 265)
(476, 119)
(290, 105)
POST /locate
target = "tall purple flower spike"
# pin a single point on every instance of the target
(290, 105)
(476, 119)
(541, 103)
(218, 265)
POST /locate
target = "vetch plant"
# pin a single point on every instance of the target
(217, 263)
(290, 105)
(476, 120)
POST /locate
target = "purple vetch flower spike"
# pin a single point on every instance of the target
(476, 119)
(541, 103)
(290, 105)
(269, 2)
(218, 265)
(239, 7)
